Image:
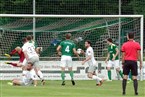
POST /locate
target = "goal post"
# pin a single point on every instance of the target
(50, 29)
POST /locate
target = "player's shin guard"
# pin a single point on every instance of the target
(135, 83)
(71, 75)
(124, 85)
(63, 75)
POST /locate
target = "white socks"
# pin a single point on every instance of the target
(40, 75)
(96, 78)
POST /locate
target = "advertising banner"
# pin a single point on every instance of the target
(52, 71)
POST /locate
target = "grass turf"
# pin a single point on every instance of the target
(81, 89)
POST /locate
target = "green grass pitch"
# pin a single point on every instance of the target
(81, 89)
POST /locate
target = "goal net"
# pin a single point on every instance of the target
(49, 31)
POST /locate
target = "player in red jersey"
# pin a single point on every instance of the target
(19, 51)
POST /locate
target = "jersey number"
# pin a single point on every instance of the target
(67, 49)
(30, 49)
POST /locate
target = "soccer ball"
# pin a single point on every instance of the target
(79, 51)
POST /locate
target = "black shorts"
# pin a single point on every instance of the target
(130, 66)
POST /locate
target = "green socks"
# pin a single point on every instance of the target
(121, 74)
(109, 74)
(71, 74)
(63, 75)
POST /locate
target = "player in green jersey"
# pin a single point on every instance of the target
(113, 59)
(66, 49)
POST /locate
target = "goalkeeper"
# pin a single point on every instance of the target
(19, 51)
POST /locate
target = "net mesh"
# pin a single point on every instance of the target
(50, 32)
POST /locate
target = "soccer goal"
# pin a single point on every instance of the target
(49, 30)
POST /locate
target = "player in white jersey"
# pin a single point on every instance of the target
(92, 64)
(37, 49)
(27, 79)
(32, 56)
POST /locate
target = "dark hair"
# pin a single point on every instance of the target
(30, 63)
(24, 40)
(130, 35)
(29, 37)
(89, 42)
(68, 36)
(110, 40)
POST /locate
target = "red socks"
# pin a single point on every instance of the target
(14, 64)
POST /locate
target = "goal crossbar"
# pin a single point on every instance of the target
(69, 16)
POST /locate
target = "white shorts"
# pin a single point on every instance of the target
(66, 61)
(23, 83)
(114, 63)
(34, 60)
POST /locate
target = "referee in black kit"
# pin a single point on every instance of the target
(130, 54)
